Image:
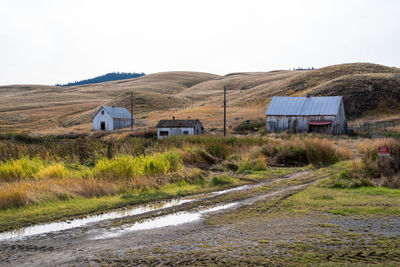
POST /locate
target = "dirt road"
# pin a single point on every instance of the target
(233, 227)
(89, 243)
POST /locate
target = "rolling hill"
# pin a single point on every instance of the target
(42, 109)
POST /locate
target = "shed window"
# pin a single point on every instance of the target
(164, 133)
(185, 132)
(102, 112)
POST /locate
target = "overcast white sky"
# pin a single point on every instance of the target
(59, 41)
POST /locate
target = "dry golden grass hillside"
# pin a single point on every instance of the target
(42, 109)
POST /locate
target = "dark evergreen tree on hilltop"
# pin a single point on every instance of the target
(113, 76)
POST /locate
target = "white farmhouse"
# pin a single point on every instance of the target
(112, 118)
(167, 128)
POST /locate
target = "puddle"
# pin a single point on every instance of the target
(163, 221)
(187, 217)
(121, 213)
(65, 225)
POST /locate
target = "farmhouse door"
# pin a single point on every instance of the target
(102, 125)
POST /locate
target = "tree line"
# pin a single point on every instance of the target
(112, 76)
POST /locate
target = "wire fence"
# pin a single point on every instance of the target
(372, 128)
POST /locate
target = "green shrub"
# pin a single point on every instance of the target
(218, 148)
(20, 169)
(361, 183)
(195, 177)
(250, 125)
(222, 180)
(257, 164)
(373, 165)
(123, 167)
(55, 170)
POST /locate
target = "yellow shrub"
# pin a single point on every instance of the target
(56, 170)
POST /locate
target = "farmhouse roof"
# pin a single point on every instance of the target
(117, 112)
(304, 106)
(177, 123)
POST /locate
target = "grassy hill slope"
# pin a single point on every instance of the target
(53, 110)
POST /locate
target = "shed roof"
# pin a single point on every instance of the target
(304, 106)
(117, 112)
(177, 123)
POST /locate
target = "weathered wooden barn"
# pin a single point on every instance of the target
(167, 128)
(112, 118)
(322, 114)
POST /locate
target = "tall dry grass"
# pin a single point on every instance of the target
(20, 193)
(300, 150)
(32, 181)
(47, 171)
(375, 166)
(371, 169)
(126, 167)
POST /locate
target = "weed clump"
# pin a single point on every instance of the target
(222, 180)
(55, 170)
(297, 151)
(255, 164)
(126, 167)
(372, 170)
(20, 169)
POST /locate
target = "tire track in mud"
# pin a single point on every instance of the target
(141, 211)
(77, 245)
(178, 218)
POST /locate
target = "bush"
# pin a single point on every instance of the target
(20, 169)
(301, 151)
(350, 178)
(222, 180)
(125, 167)
(250, 125)
(321, 151)
(12, 196)
(217, 148)
(194, 154)
(194, 176)
(257, 164)
(375, 167)
(55, 170)
(361, 183)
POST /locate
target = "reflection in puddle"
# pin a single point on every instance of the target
(65, 225)
(167, 220)
(59, 226)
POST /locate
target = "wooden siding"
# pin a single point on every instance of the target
(179, 131)
(300, 124)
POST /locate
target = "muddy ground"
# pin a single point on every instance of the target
(252, 231)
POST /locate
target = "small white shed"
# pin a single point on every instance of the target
(112, 118)
(167, 128)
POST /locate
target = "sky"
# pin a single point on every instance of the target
(60, 41)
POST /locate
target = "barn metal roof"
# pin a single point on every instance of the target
(303, 106)
(117, 112)
(177, 123)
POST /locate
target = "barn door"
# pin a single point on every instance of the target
(295, 126)
(102, 125)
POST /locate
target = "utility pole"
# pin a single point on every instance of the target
(131, 110)
(224, 110)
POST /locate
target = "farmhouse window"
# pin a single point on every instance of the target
(185, 132)
(164, 133)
